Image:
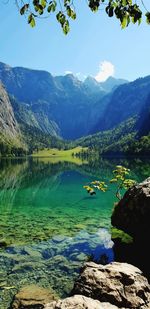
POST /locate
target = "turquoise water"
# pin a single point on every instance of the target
(50, 226)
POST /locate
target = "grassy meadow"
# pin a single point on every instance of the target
(55, 155)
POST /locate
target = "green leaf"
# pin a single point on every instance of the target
(73, 15)
(139, 21)
(24, 9)
(111, 11)
(113, 180)
(94, 5)
(148, 18)
(68, 10)
(66, 2)
(61, 18)
(43, 3)
(124, 2)
(52, 6)
(66, 27)
(39, 8)
(31, 20)
(49, 9)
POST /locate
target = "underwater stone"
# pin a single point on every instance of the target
(33, 296)
(58, 238)
(3, 243)
(33, 253)
(79, 257)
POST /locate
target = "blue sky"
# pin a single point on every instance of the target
(94, 39)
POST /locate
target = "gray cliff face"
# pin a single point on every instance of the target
(8, 124)
(34, 119)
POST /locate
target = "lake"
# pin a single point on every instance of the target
(49, 223)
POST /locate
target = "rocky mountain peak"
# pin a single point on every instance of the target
(8, 124)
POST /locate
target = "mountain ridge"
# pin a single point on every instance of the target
(63, 101)
(54, 107)
(126, 101)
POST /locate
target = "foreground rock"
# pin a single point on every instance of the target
(33, 296)
(79, 302)
(120, 284)
(132, 214)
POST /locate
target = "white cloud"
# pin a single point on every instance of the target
(68, 72)
(106, 69)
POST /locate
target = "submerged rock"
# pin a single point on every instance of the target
(79, 302)
(132, 213)
(3, 243)
(120, 284)
(58, 238)
(33, 296)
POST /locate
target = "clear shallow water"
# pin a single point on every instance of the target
(51, 225)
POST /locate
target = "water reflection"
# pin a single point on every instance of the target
(50, 226)
(40, 199)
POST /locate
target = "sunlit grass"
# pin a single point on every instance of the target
(55, 155)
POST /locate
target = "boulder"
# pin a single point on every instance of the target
(120, 284)
(33, 296)
(132, 213)
(79, 302)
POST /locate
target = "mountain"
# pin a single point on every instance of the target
(131, 137)
(124, 125)
(29, 85)
(19, 132)
(122, 140)
(143, 123)
(112, 83)
(107, 141)
(34, 119)
(126, 101)
(10, 134)
(57, 101)
(40, 110)
(59, 106)
(93, 86)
